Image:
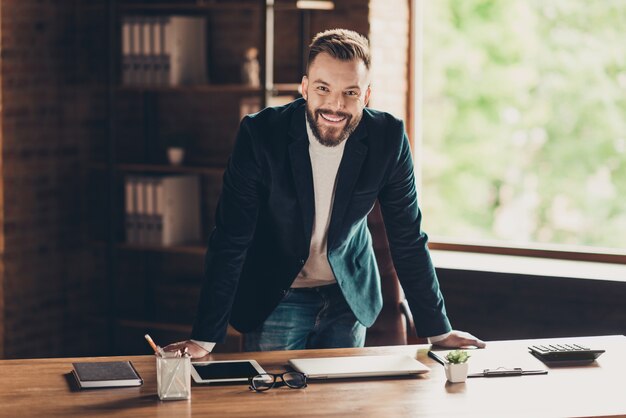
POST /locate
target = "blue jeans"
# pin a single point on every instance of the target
(317, 317)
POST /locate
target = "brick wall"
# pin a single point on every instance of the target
(52, 108)
(389, 39)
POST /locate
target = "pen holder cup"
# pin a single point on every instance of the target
(456, 373)
(173, 376)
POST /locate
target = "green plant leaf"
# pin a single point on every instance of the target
(457, 356)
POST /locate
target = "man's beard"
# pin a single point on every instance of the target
(330, 140)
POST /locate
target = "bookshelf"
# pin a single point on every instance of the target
(154, 287)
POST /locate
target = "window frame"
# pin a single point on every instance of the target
(414, 114)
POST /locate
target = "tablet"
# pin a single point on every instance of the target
(225, 371)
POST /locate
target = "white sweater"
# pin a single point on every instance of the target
(325, 165)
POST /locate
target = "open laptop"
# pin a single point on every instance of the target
(359, 366)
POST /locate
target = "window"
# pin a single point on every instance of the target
(523, 121)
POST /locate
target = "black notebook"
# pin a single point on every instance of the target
(106, 374)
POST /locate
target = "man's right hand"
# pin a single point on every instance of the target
(192, 348)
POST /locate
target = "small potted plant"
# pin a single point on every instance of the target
(456, 367)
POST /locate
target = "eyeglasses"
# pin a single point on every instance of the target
(266, 381)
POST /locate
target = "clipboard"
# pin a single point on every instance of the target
(494, 372)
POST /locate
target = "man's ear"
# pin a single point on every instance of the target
(304, 85)
(368, 92)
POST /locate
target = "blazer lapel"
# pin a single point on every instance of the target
(349, 169)
(301, 169)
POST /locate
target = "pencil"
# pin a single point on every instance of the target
(152, 344)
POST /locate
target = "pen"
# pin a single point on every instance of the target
(437, 358)
(502, 371)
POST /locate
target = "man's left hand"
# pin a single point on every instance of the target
(458, 339)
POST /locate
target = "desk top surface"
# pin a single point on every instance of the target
(43, 387)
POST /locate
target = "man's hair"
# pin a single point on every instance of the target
(341, 44)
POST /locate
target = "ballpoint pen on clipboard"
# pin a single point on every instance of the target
(504, 372)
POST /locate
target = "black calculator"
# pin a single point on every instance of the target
(555, 354)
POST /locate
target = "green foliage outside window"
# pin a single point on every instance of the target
(524, 121)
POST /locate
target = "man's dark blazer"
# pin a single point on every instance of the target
(265, 214)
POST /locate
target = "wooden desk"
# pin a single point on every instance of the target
(40, 387)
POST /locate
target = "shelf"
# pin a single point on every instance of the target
(159, 329)
(200, 88)
(161, 168)
(165, 168)
(280, 88)
(100, 321)
(192, 248)
(208, 5)
(148, 324)
(165, 326)
(193, 7)
(304, 5)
